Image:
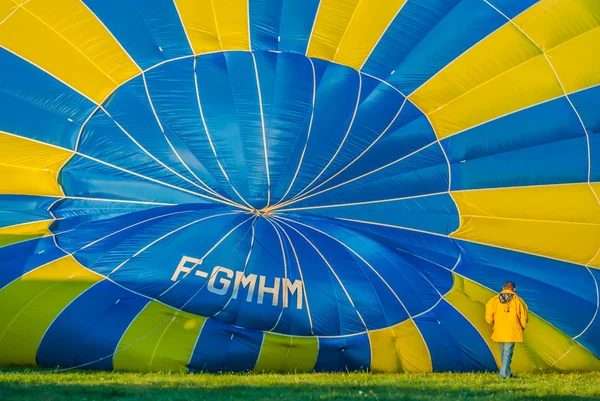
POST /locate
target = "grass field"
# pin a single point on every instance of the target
(21, 385)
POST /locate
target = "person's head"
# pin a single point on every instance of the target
(509, 285)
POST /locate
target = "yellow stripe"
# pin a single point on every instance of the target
(64, 38)
(287, 354)
(506, 72)
(21, 232)
(560, 221)
(160, 338)
(544, 344)
(333, 18)
(399, 349)
(6, 7)
(568, 32)
(371, 19)
(28, 167)
(30, 304)
(216, 24)
(552, 22)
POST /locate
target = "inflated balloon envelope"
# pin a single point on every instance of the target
(295, 185)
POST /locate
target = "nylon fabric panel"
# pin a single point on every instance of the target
(22, 257)
(31, 303)
(37, 106)
(573, 36)
(410, 26)
(124, 19)
(457, 341)
(543, 144)
(287, 354)
(297, 19)
(369, 21)
(344, 354)
(241, 346)
(20, 209)
(215, 25)
(46, 35)
(330, 26)
(400, 348)
(29, 168)
(561, 222)
(148, 342)
(102, 313)
(6, 8)
(265, 23)
(468, 23)
(25, 231)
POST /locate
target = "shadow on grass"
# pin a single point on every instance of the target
(35, 390)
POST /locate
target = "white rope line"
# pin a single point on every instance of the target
(312, 114)
(208, 136)
(332, 271)
(341, 145)
(264, 134)
(285, 270)
(310, 321)
(363, 152)
(205, 187)
(292, 201)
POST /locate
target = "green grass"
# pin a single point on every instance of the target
(38, 385)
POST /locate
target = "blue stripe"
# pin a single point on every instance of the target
(225, 348)
(465, 25)
(297, 18)
(540, 282)
(125, 21)
(102, 315)
(414, 21)
(19, 209)
(544, 144)
(411, 131)
(265, 19)
(20, 258)
(37, 106)
(512, 8)
(86, 178)
(425, 172)
(287, 92)
(586, 102)
(453, 343)
(344, 354)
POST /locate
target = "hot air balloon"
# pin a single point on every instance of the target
(297, 185)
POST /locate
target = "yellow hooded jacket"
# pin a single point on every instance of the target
(508, 313)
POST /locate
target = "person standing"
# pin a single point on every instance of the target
(508, 313)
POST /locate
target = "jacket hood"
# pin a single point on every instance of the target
(506, 296)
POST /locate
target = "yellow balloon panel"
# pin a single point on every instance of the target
(215, 25)
(21, 232)
(160, 338)
(67, 40)
(287, 354)
(31, 303)
(331, 23)
(370, 20)
(552, 22)
(400, 348)
(560, 221)
(28, 167)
